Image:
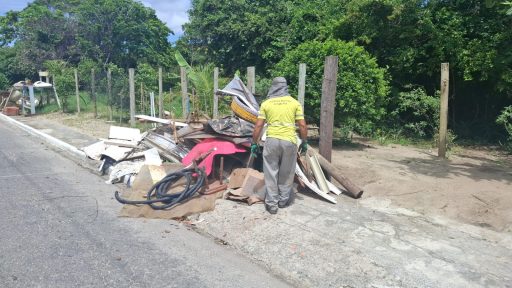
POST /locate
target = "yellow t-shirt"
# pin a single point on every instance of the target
(280, 114)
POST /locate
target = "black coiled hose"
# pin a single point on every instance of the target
(157, 196)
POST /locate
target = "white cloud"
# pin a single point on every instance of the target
(172, 12)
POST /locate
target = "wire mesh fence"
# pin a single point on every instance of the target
(105, 92)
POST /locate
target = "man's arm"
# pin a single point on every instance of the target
(257, 130)
(303, 129)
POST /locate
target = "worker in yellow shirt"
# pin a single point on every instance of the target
(281, 112)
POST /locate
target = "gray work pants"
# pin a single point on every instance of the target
(279, 160)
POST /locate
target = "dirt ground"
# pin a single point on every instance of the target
(84, 122)
(471, 186)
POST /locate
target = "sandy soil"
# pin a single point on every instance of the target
(84, 122)
(472, 186)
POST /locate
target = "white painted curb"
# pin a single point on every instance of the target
(45, 137)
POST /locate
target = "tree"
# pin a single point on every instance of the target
(4, 82)
(123, 32)
(396, 32)
(362, 87)
(412, 39)
(7, 29)
(8, 63)
(42, 34)
(202, 83)
(64, 80)
(509, 4)
(241, 33)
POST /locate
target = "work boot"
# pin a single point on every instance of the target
(271, 209)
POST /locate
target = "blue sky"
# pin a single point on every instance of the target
(171, 12)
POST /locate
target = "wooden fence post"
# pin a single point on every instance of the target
(302, 83)
(215, 96)
(93, 91)
(55, 92)
(251, 79)
(131, 77)
(327, 106)
(32, 100)
(184, 95)
(77, 92)
(109, 92)
(152, 109)
(170, 100)
(120, 110)
(160, 93)
(141, 105)
(443, 115)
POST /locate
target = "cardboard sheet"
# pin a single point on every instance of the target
(149, 175)
(252, 189)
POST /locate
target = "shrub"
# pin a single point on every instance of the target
(262, 86)
(4, 82)
(64, 80)
(361, 90)
(84, 68)
(417, 113)
(505, 119)
(148, 76)
(120, 87)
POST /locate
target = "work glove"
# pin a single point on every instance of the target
(254, 149)
(303, 148)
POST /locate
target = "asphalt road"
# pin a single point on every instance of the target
(59, 228)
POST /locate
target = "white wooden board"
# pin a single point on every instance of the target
(120, 143)
(116, 153)
(312, 185)
(152, 157)
(124, 133)
(333, 188)
(160, 120)
(95, 150)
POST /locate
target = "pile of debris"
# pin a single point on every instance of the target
(177, 169)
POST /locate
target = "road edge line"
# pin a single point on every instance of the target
(47, 138)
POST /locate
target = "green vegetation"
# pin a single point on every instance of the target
(410, 39)
(389, 52)
(123, 32)
(416, 114)
(361, 86)
(505, 119)
(4, 82)
(63, 76)
(202, 85)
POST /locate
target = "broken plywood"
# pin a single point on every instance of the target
(124, 133)
(116, 153)
(95, 150)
